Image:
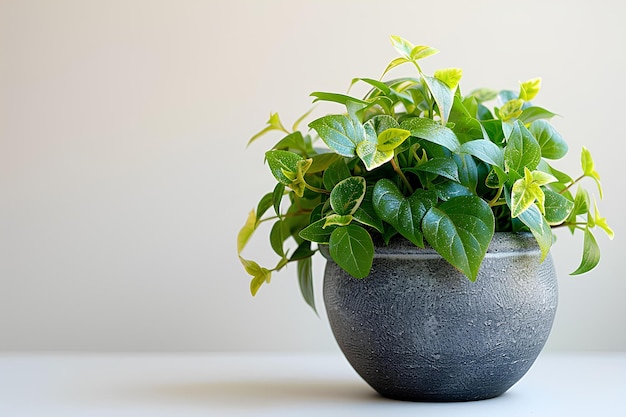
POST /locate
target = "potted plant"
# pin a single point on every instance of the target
(435, 211)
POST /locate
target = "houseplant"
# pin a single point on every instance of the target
(414, 164)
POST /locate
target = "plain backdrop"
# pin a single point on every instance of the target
(124, 173)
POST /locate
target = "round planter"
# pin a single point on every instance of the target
(417, 329)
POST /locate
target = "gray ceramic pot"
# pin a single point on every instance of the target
(417, 329)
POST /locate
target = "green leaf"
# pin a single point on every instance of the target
(346, 196)
(302, 251)
(539, 227)
(351, 247)
(448, 190)
(484, 94)
(460, 230)
(277, 197)
(317, 232)
(530, 114)
(337, 98)
(379, 85)
(293, 140)
(246, 231)
(264, 204)
(450, 76)
(552, 144)
(496, 178)
(367, 218)
(404, 214)
(485, 150)
(340, 133)
(468, 171)
(305, 281)
(277, 237)
(441, 166)
(591, 254)
(463, 115)
(557, 207)
(335, 173)
(529, 89)
(284, 165)
(443, 95)
(322, 161)
(522, 149)
(431, 131)
(379, 124)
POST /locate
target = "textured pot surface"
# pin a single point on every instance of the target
(417, 329)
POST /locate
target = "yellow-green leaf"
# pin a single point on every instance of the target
(450, 76)
(401, 45)
(273, 123)
(394, 63)
(259, 274)
(524, 193)
(246, 231)
(422, 51)
(337, 220)
(390, 139)
(371, 156)
(529, 89)
(601, 222)
(512, 109)
(589, 169)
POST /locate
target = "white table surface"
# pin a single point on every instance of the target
(180, 385)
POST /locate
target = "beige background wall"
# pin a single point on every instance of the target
(124, 175)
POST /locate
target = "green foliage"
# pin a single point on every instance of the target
(416, 158)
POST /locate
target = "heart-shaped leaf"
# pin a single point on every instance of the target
(557, 207)
(404, 214)
(347, 195)
(460, 230)
(351, 247)
(431, 131)
(552, 144)
(340, 133)
(445, 167)
(371, 156)
(283, 164)
(485, 150)
(522, 149)
(317, 231)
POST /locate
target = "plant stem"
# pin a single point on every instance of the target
(494, 201)
(315, 189)
(394, 164)
(572, 183)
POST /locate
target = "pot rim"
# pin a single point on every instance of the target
(502, 244)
